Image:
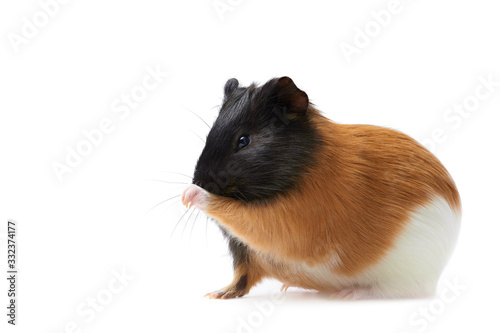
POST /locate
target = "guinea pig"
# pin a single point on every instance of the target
(358, 211)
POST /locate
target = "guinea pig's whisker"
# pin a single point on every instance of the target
(192, 227)
(164, 201)
(244, 197)
(266, 188)
(206, 231)
(253, 194)
(196, 134)
(180, 221)
(186, 223)
(178, 173)
(210, 127)
(166, 181)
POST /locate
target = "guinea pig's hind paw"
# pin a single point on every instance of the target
(351, 294)
(284, 287)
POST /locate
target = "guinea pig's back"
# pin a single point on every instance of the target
(392, 165)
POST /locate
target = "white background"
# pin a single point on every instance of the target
(73, 234)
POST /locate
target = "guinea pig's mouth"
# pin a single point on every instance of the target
(230, 191)
(241, 191)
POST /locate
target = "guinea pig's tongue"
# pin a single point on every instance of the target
(195, 196)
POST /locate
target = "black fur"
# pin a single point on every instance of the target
(282, 141)
(242, 282)
(230, 86)
(238, 250)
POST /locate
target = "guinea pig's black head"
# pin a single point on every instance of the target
(261, 142)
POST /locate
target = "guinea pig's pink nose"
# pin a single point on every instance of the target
(194, 195)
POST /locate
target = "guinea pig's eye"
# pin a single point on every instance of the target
(243, 141)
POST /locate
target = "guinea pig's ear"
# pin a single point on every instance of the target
(287, 93)
(230, 87)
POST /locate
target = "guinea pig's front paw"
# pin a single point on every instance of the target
(227, 293)
(194, 195)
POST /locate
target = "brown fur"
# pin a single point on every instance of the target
(353, 202)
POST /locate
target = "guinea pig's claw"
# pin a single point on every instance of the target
(194, 195)
(225, 294)
(284, 287)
